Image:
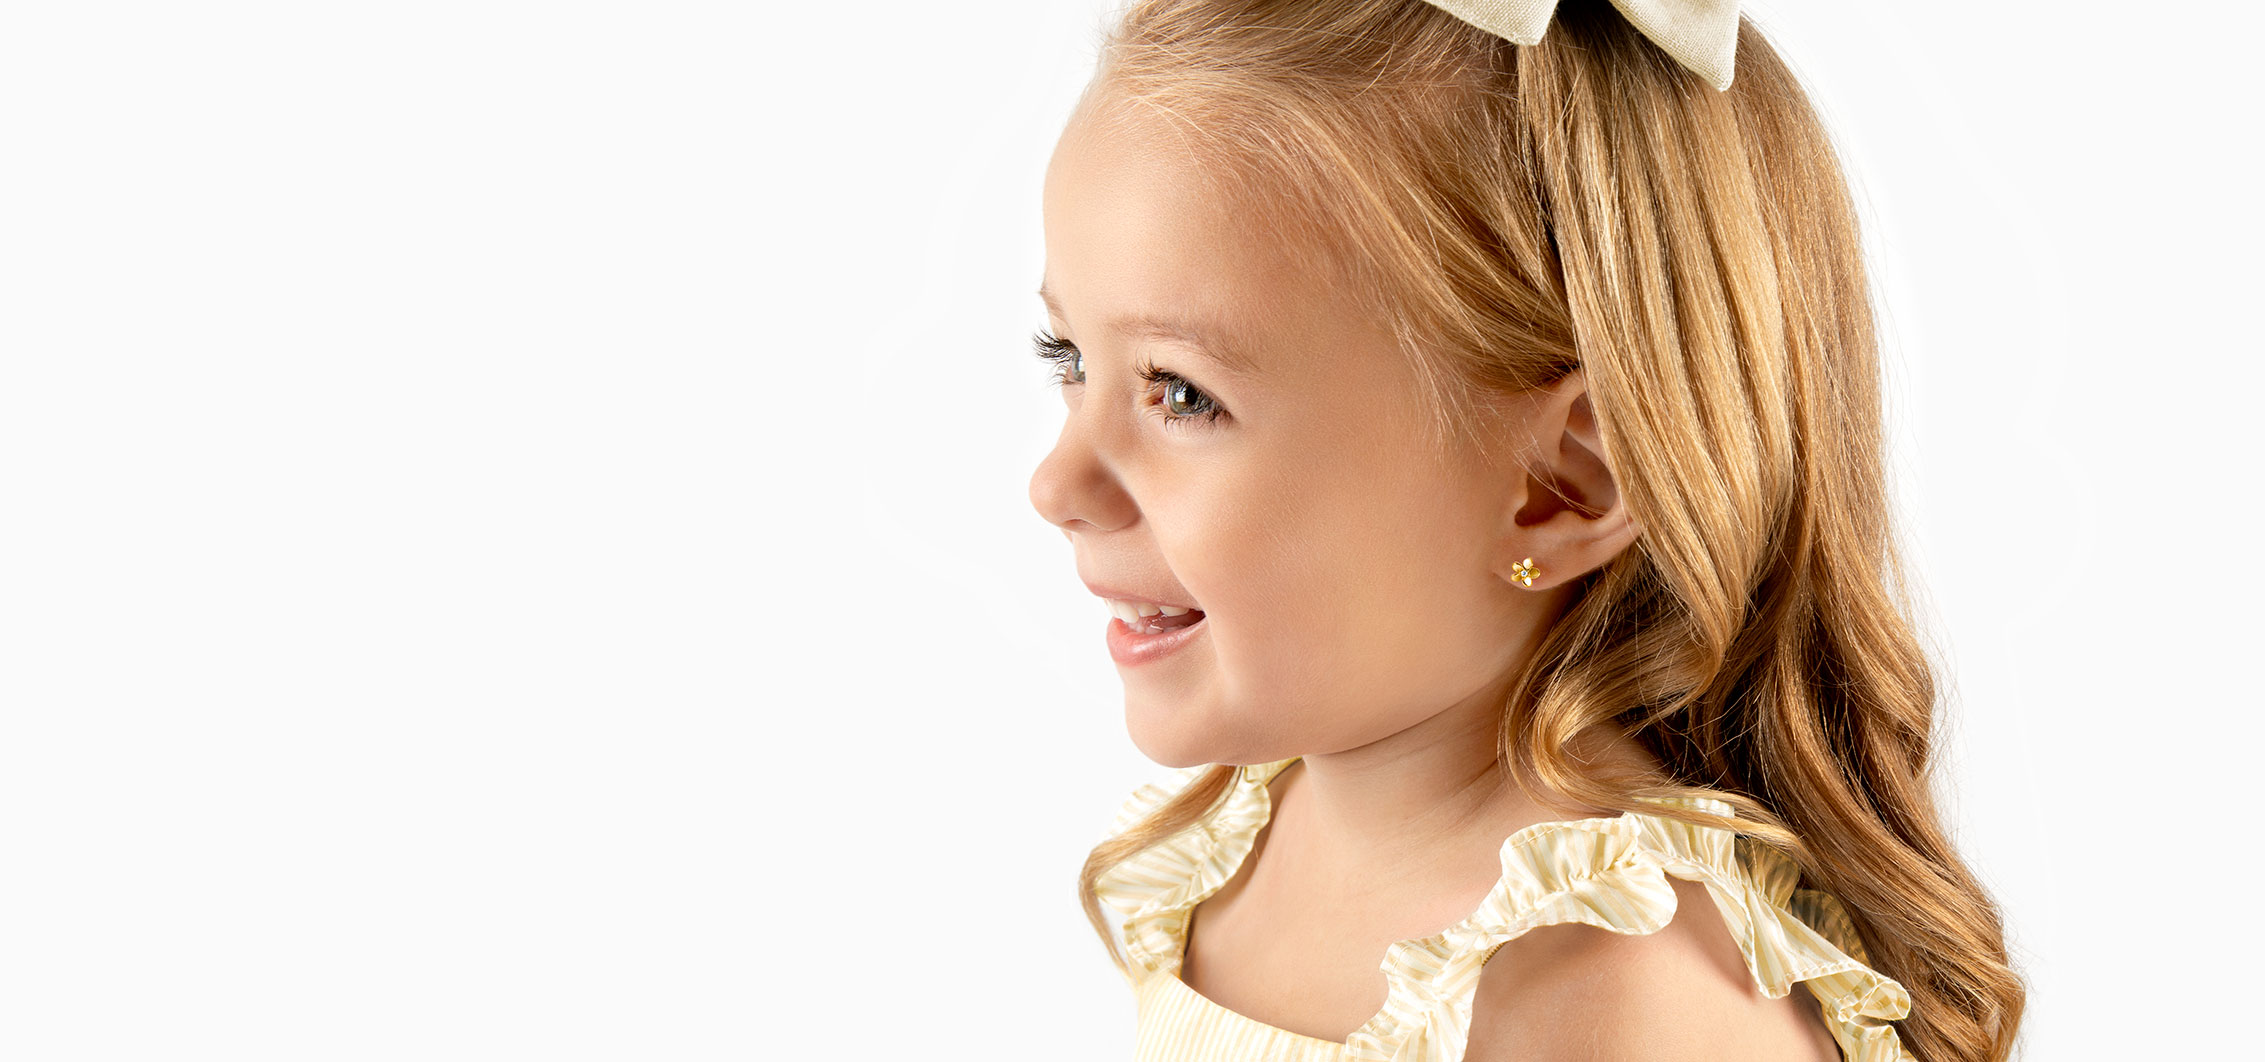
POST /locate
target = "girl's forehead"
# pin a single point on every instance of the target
(1144, 242)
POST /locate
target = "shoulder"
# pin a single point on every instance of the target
(1571, 991)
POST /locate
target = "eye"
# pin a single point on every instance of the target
(1069, 362)
(1182, 401)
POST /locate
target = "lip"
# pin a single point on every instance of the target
(1128, 648)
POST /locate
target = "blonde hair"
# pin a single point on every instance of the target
(1516, 212)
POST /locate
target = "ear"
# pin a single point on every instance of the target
(1568, 518)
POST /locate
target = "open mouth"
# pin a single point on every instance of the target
(1159, 624)
(1136, 640)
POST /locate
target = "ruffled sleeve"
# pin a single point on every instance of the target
(1612, 873)
(1154, 890)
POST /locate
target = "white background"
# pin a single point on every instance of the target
(514, 538)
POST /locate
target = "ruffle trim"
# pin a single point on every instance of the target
(1605, 872)
(1156, 889)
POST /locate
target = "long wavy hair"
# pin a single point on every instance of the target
(1516, 212)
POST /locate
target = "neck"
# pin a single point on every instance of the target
(1406, 795)
(1401, 801)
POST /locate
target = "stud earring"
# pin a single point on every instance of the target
(1524, 571)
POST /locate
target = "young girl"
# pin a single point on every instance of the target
(1473, 427)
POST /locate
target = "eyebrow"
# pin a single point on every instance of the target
(1211, 340)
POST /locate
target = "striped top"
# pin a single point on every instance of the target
(1606, 872)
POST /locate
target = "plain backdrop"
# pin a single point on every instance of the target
(514, 535)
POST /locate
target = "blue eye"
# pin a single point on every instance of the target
(1062, 355)
(1183, 401)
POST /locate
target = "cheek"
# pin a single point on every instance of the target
(1351, 628)
(1343, 600)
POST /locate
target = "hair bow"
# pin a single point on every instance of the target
(1700, 34)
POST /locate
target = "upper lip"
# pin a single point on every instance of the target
(1127, 595)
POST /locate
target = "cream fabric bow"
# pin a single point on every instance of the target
(1700, 34)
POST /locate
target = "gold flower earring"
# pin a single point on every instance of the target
(1524, 571)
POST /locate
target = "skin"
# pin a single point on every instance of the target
(1360, 608)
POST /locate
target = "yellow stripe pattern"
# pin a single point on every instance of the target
(1606, 872)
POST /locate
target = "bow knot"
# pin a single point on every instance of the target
(1700, 34)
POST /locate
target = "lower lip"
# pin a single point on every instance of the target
(1127, 647)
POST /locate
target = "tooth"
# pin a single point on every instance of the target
(1147, 609)
(1175, 610)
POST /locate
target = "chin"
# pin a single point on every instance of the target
(1173, 736)
(1171, 750)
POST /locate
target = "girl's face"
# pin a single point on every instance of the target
(1273, 478)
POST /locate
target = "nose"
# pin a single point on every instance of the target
(1074, 489)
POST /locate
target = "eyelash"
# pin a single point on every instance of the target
(1059, 353)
